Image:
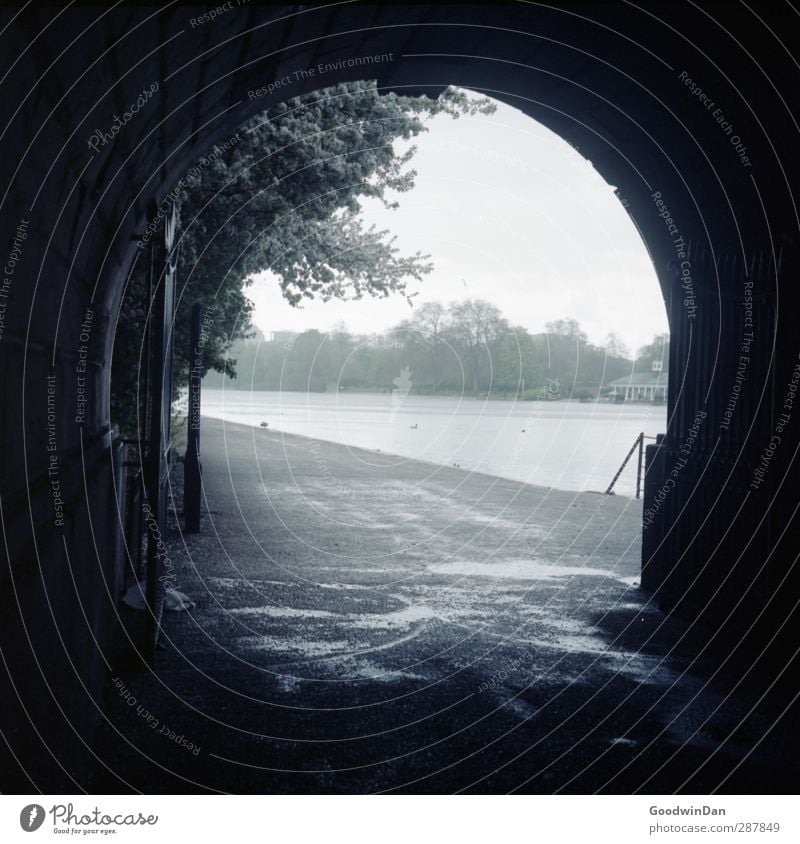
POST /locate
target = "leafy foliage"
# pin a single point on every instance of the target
(658, 350)
(468, 346)
(283, 194)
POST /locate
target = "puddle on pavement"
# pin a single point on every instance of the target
(522, 569)
(271, 611)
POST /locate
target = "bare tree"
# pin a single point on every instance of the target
(429, 321)
(615, 347)
(475, 325)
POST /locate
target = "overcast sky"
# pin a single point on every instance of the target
(509, 212)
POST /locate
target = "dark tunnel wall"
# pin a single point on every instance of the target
(616, 82)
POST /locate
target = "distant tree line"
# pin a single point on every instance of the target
(468, 346)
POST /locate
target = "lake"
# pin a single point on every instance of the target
(563, 444)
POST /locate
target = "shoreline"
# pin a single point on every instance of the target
(447, 395)
(370, 451)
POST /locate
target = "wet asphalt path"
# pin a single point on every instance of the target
(367, 623)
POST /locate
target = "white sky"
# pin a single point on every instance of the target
(509, 212)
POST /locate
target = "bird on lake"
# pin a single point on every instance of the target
(265, 424)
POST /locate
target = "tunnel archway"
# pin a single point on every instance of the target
(668, 103)
(500, 201)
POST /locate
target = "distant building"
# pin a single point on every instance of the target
(282, 336)
(640, 386)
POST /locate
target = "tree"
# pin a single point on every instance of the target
(572, 365)
(422, 338)
(657, 350)
(305, 367)
(563, 349)
(510, 359)
(428, 320)
(475, 325)
(388, 361)
(568, 328)
(615, 347)
(284, 195)
(513, 362)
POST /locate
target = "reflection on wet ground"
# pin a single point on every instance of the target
(465, 633)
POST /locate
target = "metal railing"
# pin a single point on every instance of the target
(638, 443)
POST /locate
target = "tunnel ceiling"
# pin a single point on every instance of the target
(612, 85)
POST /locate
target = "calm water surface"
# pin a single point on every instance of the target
(567, 445)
